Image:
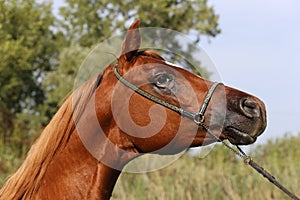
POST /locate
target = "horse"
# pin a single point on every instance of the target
(139, 104)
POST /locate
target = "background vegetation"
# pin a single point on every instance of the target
(219, 175)
(39, 56)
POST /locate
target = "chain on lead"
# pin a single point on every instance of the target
(240, 153)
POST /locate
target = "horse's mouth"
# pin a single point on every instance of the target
(237, 136)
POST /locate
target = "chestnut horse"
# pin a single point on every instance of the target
(140, 104)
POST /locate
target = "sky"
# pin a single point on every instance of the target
(258, 51)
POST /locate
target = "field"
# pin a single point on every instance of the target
(217, 176)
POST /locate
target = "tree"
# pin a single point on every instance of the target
(87, 22)
(59, 83)
(28, 50)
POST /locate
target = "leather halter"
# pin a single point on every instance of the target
(198, 117)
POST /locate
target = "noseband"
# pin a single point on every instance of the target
(198, 117)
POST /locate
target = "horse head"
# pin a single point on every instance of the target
(153, 127)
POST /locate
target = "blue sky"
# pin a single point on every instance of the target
(258, 51)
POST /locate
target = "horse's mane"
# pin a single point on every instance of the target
(26, 180)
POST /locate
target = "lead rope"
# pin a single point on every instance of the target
(198, 118)
(249, 161)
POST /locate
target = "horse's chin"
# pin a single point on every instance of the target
(237, 136)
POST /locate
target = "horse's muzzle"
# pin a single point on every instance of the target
(245, 120)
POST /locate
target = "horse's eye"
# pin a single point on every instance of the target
(163, 80)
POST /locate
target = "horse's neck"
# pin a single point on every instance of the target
(75, 174)
(77, 171)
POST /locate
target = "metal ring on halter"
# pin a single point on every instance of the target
(198, 118)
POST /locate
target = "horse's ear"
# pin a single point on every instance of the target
(132, 42)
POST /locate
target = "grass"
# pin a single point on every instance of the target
(217, 176)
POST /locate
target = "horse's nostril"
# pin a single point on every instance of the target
(250, 107)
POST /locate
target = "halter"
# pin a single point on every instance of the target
(198, 117)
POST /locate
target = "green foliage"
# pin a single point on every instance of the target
(218, 176)
(14, 149)
(27, 47)
(28, 50)
(103, 18)
(60, 82)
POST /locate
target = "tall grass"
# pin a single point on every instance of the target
(219, 175)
